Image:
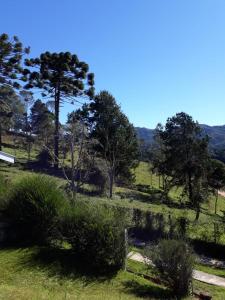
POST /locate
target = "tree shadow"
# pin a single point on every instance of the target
(63, 263)
(148, 291)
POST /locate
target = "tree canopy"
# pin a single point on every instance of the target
(117, 142)
(11, 53)
(62, 78)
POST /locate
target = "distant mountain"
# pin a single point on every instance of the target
(215, 133)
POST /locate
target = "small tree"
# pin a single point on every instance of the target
(117, 142)
(174, 261)
(61, 77)
(42, 120)
(81, 150)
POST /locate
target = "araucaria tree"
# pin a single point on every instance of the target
(11, 53)
(185, 157)
(117, 142)
(62, 78)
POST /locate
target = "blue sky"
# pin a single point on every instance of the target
(157, 57)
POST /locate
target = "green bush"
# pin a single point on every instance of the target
(34, 206)
(96, 235)
(174, 262)
(44, 159)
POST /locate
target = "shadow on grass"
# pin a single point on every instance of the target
(155, 197)
(63, 263)
(145, 290)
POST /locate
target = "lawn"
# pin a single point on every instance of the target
(34, 273)
(25, 275)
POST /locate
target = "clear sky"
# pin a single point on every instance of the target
(157, 57)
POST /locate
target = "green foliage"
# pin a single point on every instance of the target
(216, 174)
(174, 261)
(41, 120)
(11, 53)
(34, 205)
(62, 77)
(182, 156)
(98, 176)
(11, 111)
(117, 142)
(96, 234)
(44, 159)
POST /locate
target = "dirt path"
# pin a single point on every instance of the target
(197, 275)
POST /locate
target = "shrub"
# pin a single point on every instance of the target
(34, 205)
(96, 235)
(44, 159)
(174, 261)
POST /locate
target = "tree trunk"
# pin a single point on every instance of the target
(73, 186)
(197, 213)
(56, 135)
(190, 192)
(0, 136)
(216, 202)
(111, 182)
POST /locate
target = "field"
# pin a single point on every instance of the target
(33, 273)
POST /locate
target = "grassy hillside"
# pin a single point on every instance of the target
(144, 195)
(33, 273)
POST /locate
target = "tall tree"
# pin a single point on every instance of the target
(62, 78)
(117, 142)
(186, 157)
(11, 53)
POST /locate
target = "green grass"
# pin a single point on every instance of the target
(23, 276)
(145, 201)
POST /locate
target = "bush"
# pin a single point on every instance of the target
(44, 159)
(174, 261)
(34, 206)
(96, 235)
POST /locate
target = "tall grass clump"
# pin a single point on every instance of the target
(96, 234)
(34, 205)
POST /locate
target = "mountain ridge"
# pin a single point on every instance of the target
(216, 135)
